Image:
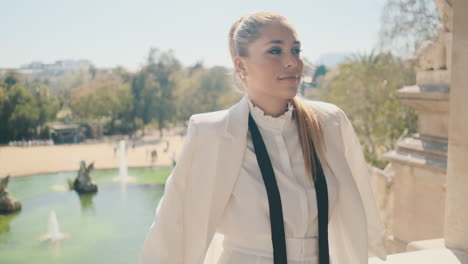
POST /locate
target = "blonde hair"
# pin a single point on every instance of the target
(243, 32)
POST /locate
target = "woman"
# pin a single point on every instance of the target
(276, 178)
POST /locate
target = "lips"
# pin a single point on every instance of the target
(289, 77)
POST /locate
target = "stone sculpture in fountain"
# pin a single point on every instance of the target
(8, 204)
(83, 182)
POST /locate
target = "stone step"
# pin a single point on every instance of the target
(419, 152)
(426, 99)
(423, 147)
(434, 92)
(436, 256)
(438, 77)
(415, 160)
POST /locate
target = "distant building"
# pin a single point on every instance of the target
(67, 133)
(58, 67)
(62, 133)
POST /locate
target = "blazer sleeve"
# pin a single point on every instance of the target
(165, 241)
(360, 171)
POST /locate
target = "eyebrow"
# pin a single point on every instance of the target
(282, 42)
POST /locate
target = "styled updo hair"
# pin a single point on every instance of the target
(243, 32)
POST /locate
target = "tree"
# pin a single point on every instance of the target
(153, 87)
(405, 24)
(23, 110)
(320, 71)
(204, 90)
(365, 87)
(11, 78)
(107, 96)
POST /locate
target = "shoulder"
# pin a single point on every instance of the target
(208, 121)
(201, 125)
(327, 112)
(208, 118)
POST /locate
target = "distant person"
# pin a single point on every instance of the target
(173, 158)
(167, 146)
(154, 156)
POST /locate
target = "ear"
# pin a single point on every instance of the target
(240, 65)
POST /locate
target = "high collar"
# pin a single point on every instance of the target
(237, 117)
(269, 122)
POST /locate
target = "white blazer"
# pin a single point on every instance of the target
(200, 185)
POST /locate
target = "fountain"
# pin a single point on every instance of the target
(83, 219)
(123, 168)
(54, 234)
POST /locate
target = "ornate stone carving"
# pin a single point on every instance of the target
(8, 203)
(83, 182)
(435, 55)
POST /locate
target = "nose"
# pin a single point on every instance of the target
(290, 61)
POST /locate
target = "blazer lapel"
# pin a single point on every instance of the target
(230, 154)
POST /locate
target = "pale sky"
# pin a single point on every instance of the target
(113, 32)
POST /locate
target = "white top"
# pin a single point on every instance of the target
(198, 190)
(246, 221)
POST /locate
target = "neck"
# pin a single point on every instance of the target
(271, 106)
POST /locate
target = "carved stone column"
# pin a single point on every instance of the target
(419, 161)
(456, 214)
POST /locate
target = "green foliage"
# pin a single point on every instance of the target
(365, 88)
(162, 94)
(405, 24)
(106, 97)
(23, 109)
(320, 71)
(203, 90)
(153, 87)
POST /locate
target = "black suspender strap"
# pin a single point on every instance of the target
(322, 208)
(274, 201)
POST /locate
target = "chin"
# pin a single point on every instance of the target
(286, 95)
(291, 92)
(285, 92)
